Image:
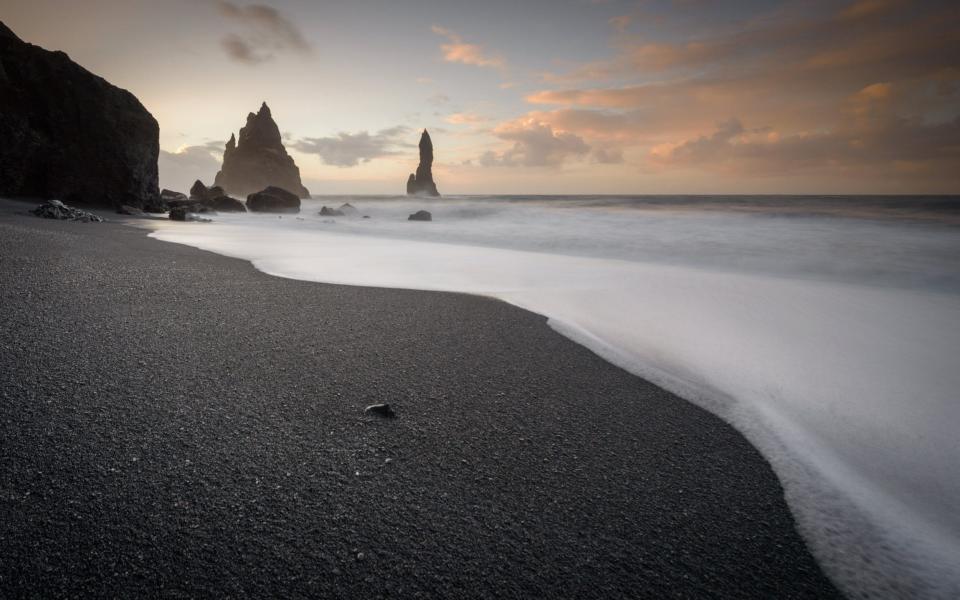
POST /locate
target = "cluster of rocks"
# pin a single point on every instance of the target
(215, 198)
(54, 209)
(201, 200)
(69, 134)
(210, 200)
(345, 210)
(348, 210)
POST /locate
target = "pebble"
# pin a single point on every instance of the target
(381, 410)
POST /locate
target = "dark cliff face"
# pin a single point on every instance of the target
(422, 183)
(67, 134)
(258, 159)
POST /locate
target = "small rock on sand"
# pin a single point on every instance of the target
(380, 410)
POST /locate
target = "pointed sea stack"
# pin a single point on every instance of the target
(258, 159)
(71, 135)
(421, 183)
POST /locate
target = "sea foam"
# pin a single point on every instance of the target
(830, 340)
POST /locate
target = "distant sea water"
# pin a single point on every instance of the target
(825, 328)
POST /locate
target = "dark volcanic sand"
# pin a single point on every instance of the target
(175, 423)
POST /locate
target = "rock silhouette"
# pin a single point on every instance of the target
(421, 183)
(258, 159)
(274, 200)
(54, 209)
(70, 134)
(170, 195)
(420, 215)
(210, 197)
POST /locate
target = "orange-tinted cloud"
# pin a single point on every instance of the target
(908, 145)
(461, 118)
(872, 87)
(534, 144)
(456, 50)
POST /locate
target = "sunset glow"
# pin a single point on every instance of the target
(545, 97)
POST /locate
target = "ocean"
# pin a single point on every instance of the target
(825, 328)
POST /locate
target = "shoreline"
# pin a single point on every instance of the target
(194, 424)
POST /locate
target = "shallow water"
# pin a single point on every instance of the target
(827, 330)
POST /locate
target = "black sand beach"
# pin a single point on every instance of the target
(176, 423)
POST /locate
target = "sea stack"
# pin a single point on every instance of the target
(258, 159)
(421, 183)
(71, 135)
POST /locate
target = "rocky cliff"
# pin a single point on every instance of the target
(258, 159)
(421, 183)
(66, 133)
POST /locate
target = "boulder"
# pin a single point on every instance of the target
(421, 183)
(227, 204)
(69, 134)
(349, 209)
(55, 209)
(420, 215)
(330, 212)
(274, 200)
(198, 190)
(203, 194)
(168, 195)
(177, 203)
(258, 159)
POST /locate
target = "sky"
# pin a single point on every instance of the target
(541, 97)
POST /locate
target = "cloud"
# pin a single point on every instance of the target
(535, 144)
(178, 170)
(595, 124)
(867, 8)
(621, 23)
(618, 97)
(456, 50)
(240, 51)
(461, 118)
(608, 157)
(870, 88)
(876, 146)
(266, 33)
(828, 86)
(877, 34)
(351, 149)
(703, 148)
